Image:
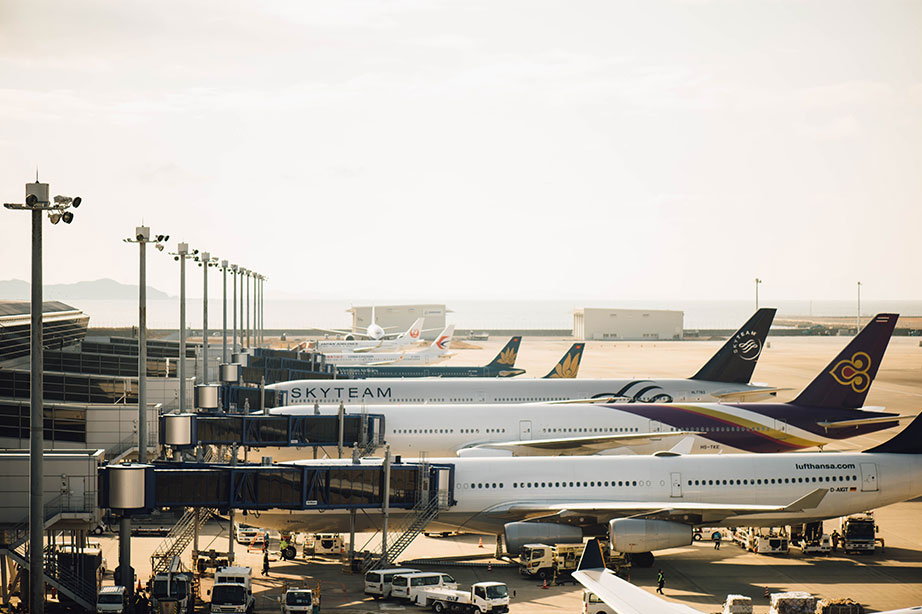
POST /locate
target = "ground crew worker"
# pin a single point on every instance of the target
(265, 562)
(717, 538)
(283, 545)
(660, 582)
(835, 540)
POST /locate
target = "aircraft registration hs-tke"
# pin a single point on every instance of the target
(725, 377)
(642, 503)
(828, 409)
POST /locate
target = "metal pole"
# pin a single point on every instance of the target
(342, 419)
(36, 430)
(248, 307)
(242, 281)
(234, 275)
(230, 538)
(124, 553)
(858, 314)
(183, 249)
(758, 281)
(386, 508)
(224, 316)
(205, 258)
(142, 356)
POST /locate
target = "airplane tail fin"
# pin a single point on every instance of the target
(443, 341)
(507, 355)
(415, 332)
(907, 441)
(736, 360)
(845, 382)
(568, 367)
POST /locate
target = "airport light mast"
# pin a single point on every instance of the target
(182, 252)
(224, 266)
(858, 313)
(758, 281)
(142, 238)
(205, 260)
(37, 202)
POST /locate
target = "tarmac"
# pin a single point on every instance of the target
(697, 575)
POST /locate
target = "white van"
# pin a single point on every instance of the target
(592, 604)
(112, 600)
(378, 582)
(407, 586)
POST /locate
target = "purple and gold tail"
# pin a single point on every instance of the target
(845, 382)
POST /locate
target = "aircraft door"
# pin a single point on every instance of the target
(676, 484)
(868, 477)
(524, 429)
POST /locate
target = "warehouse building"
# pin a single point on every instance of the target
(599, 324)
(398, 318)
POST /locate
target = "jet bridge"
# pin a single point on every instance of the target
(188, 430)
(321, 485)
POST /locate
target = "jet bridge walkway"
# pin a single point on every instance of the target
(357, 430)
(324, 485)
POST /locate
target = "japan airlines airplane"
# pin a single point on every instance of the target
(828, 409)
(625, 598)
(436, 352)
(725, 377)
(403, 340)
(643, 503)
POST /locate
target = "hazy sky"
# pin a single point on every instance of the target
(475, 149)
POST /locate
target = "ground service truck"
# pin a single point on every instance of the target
(232, 591)
(858, 534)
(484, 597)
(549, 562)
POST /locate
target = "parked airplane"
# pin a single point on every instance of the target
(436, 352)
(625, 598)
(501, 366)
(643, 503)
(372, 332)
(403, 340)
(725, 377)
(827, 410)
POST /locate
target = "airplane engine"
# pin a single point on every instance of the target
(520, 533)
(638, 535)
(349, 337)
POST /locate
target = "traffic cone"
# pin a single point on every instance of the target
(489, 565)
(139, 586)
(766, 593)
(545, 584)
(480, 545)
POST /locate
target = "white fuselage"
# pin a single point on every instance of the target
(508, 390)
(423, 357)
(350, 346)
(434, 430)
(485, 488)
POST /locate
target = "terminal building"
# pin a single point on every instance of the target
(398, 318)
(600, 324)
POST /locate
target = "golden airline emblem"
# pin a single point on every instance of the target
(853, 372)
(507, 357)
(568, 368)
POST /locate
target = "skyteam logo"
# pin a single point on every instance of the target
(443, 342)
(747, 345)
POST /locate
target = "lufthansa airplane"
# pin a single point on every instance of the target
(642, 503)
(827, 410)
(725, 377)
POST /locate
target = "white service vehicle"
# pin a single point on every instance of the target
(112, 600)
(233, 591)
(483, 597)
(297, 601)
(592, 604)
(378, 581)
(407, 586)
(244, 534)
(322, 544)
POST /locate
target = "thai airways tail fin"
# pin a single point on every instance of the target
(736, 360)
(568, 367)
(907, 441)
(845, 382)
(443, 341)
(507, 355)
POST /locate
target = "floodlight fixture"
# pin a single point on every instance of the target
(68, 217)
(55, 217)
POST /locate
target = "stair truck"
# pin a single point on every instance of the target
(546, 562)
(171, 591)
(484, 597)
(858, 534)
(233, 591)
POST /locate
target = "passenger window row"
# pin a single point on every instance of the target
(801, 480)
(593, 430)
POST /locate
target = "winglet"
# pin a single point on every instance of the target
(592, 556)
(845, 382)
(735, 361)
(568, 366)
(807, 502)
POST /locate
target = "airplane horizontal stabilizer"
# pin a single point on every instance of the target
(841, 424)
(742, 396)
(907, 441)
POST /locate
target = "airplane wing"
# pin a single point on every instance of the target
(620, 595)
(745, 395)
(576, 446)
(592, 512)
(371, 348)
(381, 363)
(862, 421)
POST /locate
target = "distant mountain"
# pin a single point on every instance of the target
(100, 289)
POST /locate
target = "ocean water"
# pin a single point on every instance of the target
(331, 314)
